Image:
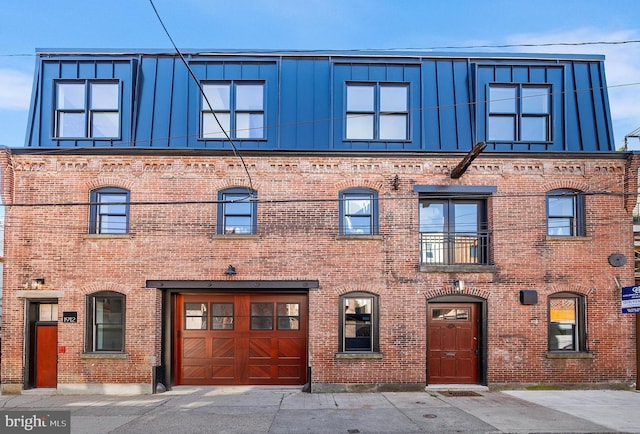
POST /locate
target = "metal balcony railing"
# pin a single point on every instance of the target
(454, 248)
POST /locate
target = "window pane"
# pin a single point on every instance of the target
(393, 127)
(360, 127)
(502, 99)
(502, 128)
(560, 226)
(360, 98)
(222, 316)
(439, 314)
(535, 100)
(562, 323)
(357, 225)
(249, 97)
(242, 207)
(112, 198)
(393, 98)
(237, 225)
(466, 217)
(195, 316)
(104, 96)
(261, 316)
(218, 97)
(70, 96)
(431, 217)
(105, 124)
(288, 309)
(109, 338)
(110, 224)
(357, 204)
(561, 206)
(288, 316)
(71, 125)
(211, 129)
(534, 129)
(109, 311)
(249, 125)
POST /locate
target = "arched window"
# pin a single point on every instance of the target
(358, 212)
(237, 212)
(109, 211)
(565, 213)
(567, 324)
(105, 322)
(359, 322)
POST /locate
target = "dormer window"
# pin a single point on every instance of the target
(87, 109)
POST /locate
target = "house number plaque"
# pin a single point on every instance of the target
(70, 317)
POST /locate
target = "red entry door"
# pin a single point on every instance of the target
(46, 355)
(453, 343)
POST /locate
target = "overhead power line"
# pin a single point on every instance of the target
(204, 95)
(441, 47)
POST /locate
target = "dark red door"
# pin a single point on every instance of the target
(453, 343)
(241, 339)
(46, 355)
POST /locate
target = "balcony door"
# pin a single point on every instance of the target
(453, 231)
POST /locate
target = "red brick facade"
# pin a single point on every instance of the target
(173, 237)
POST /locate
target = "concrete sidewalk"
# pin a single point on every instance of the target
(288, 410)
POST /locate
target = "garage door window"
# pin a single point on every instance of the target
(221, 316)
(261, 316)
(195, 316)
(288, 316)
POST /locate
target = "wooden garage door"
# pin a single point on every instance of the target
(241, 339)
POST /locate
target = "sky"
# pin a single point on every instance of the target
(430, 25)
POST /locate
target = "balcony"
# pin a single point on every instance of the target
(455, 251)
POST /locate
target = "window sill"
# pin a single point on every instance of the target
(567, 238)
(122, 356)
(236, 236)
(569, 355)
(106, 236)
(359, 237)
(357, 356)
(461, 268)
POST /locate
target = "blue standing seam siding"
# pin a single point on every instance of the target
(304, 108)
(33, 121)
(604, 133)
(584, 96)
(164, 91)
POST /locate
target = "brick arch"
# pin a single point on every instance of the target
(447, 289)
(226, 183)
(357, 287)
(565, 184)
(358, 183)
(108, 286)
(577, 289)
(110, 181)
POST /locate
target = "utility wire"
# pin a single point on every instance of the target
(204, 95)
(263, 201)
(443, 47)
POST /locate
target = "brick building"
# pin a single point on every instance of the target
(365, 221)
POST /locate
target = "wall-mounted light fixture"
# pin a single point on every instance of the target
(458, 285)
(34, 284)
(395, 182)
(230, 271)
